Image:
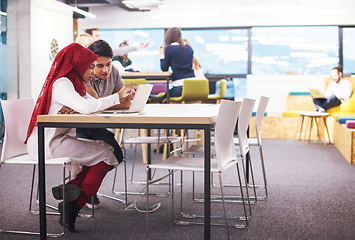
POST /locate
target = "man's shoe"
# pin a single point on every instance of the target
(95, 204)
(321, 110)
(71, 212)
(72, 192)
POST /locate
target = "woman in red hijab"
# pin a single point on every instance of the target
(91, 160)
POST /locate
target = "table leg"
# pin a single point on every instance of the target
(207, 210)
(317, 127)
(298, 125)
(326, 128)
(310, 129)
(42, 184)
(305, 132)
(167, 90)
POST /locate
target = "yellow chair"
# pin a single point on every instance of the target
(192, 91)
(346, 107)
(222, 91)
(135, 81)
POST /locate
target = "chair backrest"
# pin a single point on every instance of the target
(222, 88)
(129, 133)
(225, 124)
(195, 90)
(135, 81)
(158, 88)
(230, 90)
(17, 114)
(260, 115)
(243, 123)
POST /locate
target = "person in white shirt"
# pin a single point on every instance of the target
(338, 90)
(91, 160)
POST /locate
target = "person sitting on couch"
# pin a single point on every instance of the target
(338, 90)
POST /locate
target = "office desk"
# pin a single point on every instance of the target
(155, 116)
(160, 76)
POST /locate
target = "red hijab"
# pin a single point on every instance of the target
(71, 62)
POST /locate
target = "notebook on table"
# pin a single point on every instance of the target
(316, 93)
(139, 101)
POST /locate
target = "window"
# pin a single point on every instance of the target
(146, 59)
(220, 51)
(300, 50)
(348, 50)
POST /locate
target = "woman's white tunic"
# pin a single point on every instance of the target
(62, 142)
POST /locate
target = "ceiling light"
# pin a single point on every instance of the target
(3, 13)
(270, 8)
(82, 12)
(144, 5)
(189, 15)
(311, 13)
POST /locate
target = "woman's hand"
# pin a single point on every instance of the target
(161, 50)
(66, 110)
(127, 91)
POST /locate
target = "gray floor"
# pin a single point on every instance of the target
(311, 196)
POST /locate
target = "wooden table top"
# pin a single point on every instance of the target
(145, 74)
(153, 113)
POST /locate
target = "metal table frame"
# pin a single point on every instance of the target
(45, 124)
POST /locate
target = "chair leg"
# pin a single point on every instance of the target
(113, 186)
(263, 169)
(33, 180)
(172, 195)
(252, 179)
(147, 202)
(224, 204)
(246, 184)
(242, 194)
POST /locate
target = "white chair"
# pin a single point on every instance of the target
(17, 114)
(257, 141)
(243, 123)
(225, 158)
(131, 136)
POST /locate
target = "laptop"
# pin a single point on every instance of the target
(316, 93)
(139, 101)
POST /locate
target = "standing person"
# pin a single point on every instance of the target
(94, 33)
(84, 39)
(125, 62)
(105, 82)
(91, 160)
(338, 90)
(178, 56)
(196, 66)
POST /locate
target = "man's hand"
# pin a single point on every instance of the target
(127, 91)
(66, 110)
(142, 45)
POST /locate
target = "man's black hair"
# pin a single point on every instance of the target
(101, 48)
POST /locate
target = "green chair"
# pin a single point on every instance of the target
(222, 91)
(192, 91)
(135, 81)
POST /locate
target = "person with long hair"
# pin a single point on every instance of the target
(196, 66)
(91, 160)
(84, 39)
(179, 56)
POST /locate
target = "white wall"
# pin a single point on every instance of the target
(277, 88)
(49, 20)
(212, 13)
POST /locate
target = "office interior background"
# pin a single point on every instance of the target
(266, 47)
(231, 39)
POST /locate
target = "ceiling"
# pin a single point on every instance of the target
(100, 3)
